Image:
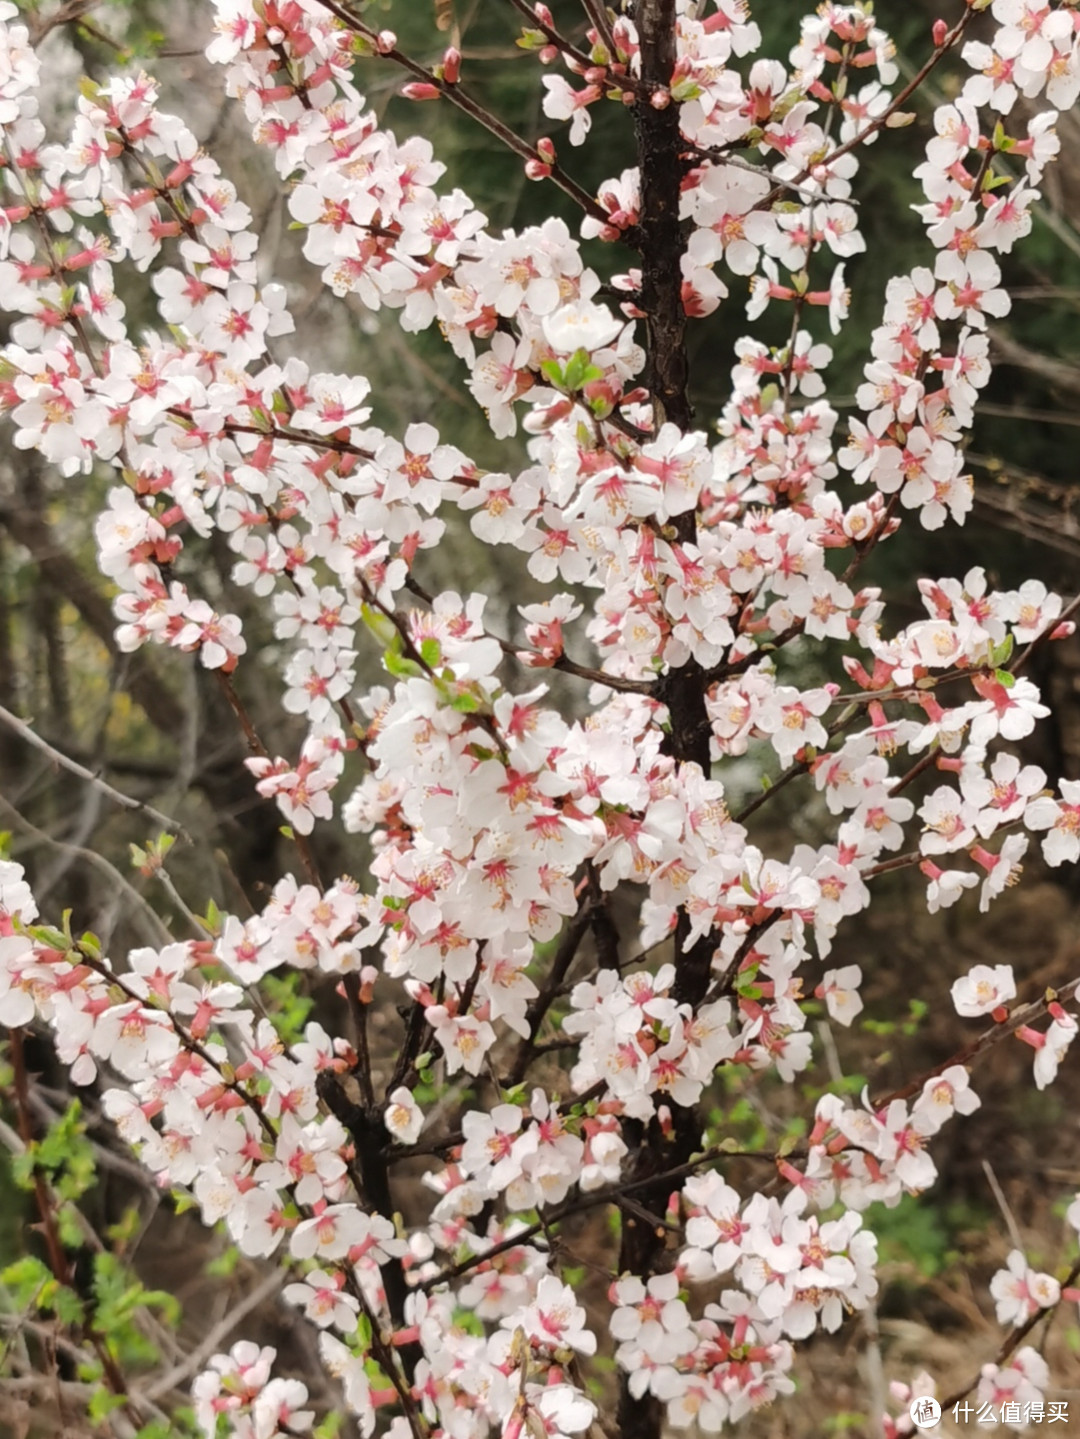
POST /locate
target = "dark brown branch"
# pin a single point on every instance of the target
(661, 242)
(1013, 1340)
(565, 955)
(369, 1136)
(612, 1194)
(1023, 1015)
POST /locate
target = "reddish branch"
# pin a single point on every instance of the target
(1025, 1014)
(471, 107)
(883, 121)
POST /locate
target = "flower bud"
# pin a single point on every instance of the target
(939, 32)
(420, 90)
(451, 65)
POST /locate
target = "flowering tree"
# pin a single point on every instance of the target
(546, 1064)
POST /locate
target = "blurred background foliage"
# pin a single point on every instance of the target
(154, 725)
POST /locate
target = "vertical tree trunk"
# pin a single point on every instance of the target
(662, 244)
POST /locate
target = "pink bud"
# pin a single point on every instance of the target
(545, 148)
(939, 32)
(660, 99)
(543, 15)
(385, 41)
(984, 858)
(537, 170)
(420, 90)
(549, 54)
(452, 65)
(596, 74)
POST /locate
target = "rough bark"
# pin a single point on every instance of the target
(662, 244)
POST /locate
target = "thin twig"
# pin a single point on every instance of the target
(464, 102)
(126, 801)
(1003, 1205)
(209, 1346)
(155, 929)
(1023, 1015)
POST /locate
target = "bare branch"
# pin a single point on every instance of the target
(126, 801)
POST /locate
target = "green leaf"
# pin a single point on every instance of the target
(580, 370)
(224, 1264)
(67, 1306)
(46, 934)
(399, 665)
(25, 1278)
(380, 625)
(211, 921)
(102, 1403)
(553, 373)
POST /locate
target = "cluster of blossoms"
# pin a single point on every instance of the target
(498, 823)
(236, 1395)
(793, 1274)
